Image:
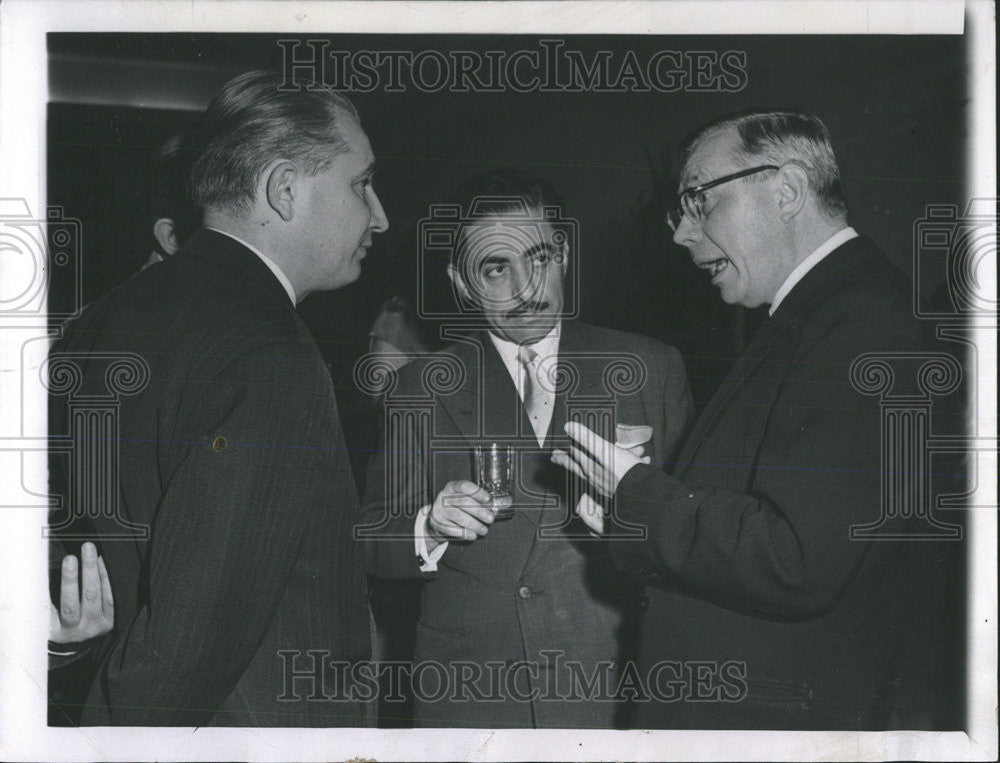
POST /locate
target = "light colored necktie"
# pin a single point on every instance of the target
(534, 396)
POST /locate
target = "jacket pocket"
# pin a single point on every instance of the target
(441, 628)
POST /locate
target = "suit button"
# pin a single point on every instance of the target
(644, 603)
(524, 592)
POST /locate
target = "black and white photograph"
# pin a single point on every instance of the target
(498, 381)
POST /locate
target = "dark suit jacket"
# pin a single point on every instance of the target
(749, 543)
(233, 457)
(521, 590)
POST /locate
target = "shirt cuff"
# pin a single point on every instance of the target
(428, 561)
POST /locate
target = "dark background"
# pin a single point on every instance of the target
(895, 106)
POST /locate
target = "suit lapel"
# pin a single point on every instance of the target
(486, 406)
(587, 373)
(487, 409)
(752, 356)
(774, 342)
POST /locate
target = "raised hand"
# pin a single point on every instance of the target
(601, 463)
(79, 618)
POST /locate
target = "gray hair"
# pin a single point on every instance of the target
(782, 137)
(255, 118)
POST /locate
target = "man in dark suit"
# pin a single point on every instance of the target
(241, 581)
(524, 618)
(81, 586)
(749, 542)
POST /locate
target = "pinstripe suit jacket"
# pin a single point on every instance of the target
(233, 457)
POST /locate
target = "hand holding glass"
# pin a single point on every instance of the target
(495, 473)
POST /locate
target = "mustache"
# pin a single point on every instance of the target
(533, 306)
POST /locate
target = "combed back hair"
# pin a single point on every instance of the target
(503, 190)
(255, 118)
(167, 188)
(781, 137)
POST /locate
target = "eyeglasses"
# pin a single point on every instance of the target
(692, 199)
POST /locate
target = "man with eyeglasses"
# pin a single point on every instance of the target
(764, 612)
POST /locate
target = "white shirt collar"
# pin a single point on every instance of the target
(547, 346)
(282, 278)
(837, 239)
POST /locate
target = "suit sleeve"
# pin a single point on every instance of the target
(224, 540)
(779, 546)
(678, 406)
(397, 486)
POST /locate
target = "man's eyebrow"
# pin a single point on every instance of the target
(531, 251)
(543, 246)
(494, 260)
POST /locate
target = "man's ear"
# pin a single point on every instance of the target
(793, 190)
(282, 187)
(459, 283)
(166, 235)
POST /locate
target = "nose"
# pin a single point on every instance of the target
(687, 232)
(379, 222)
(524, 280)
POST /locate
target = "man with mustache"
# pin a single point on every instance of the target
(750, 554)
(232, 458)
(518, 614)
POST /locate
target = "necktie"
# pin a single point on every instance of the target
(534, 395)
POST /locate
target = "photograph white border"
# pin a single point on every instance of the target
(23, 95)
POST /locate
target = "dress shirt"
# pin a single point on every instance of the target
(840, 237)
(547, 349)
(282, 278)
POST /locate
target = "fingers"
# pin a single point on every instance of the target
(468, 489)
(461, 511)
(587, 464)
(587, 439)
(592, 513)
(55, 625)
(107, 598)
(458, 527)
(69, 594)
(562, 458)
(91, 601)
